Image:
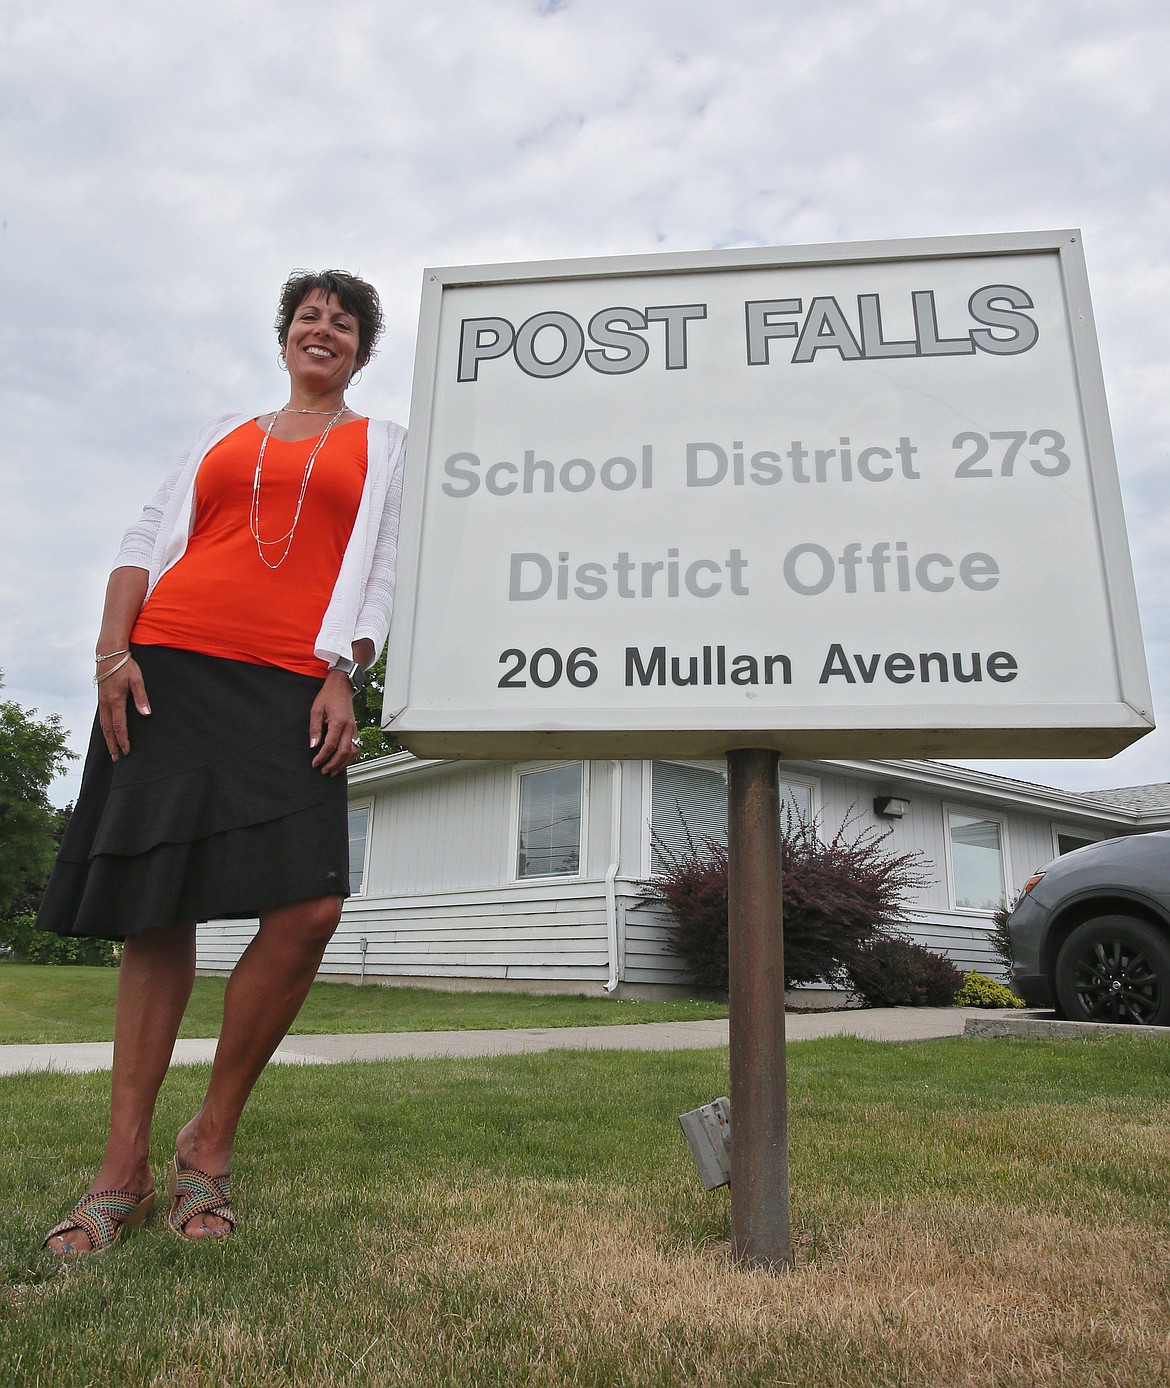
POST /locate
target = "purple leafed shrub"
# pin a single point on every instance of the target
(900, 973)
(837, 895)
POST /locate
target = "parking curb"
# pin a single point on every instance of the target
(1039, 1027)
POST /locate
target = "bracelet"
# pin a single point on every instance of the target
(111, 655)
(97, 679)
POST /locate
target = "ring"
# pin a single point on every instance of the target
(356, 741)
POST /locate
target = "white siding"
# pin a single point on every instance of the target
(555, 930)
(445, 830)
(966, 940)
(219, 944)
(441, 899)
(649, 958)
(548, 931)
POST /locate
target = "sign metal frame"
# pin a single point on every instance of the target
(443, 723)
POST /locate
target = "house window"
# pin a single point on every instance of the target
(693, 799)
(797, 797)
(1069, 839)
(684, 800)
(978, 875)
(359, 837)
(549, 842)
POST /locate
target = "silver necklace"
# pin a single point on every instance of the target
(254, 515)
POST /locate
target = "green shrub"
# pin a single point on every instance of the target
(980, 991)
(32, 946)
(1001, 940)
(893, 972)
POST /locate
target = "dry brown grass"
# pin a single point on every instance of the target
(541, 1282)
(928, 1293)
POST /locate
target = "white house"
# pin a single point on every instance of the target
(527, 875)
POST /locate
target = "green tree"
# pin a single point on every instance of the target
(32, 752)
(28, 896)
(367, 709)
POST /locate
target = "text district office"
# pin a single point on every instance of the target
(808, 569)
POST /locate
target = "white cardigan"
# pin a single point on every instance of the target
(363, 596)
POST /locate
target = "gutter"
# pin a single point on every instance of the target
(611, 914)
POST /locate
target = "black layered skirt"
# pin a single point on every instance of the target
(217, 812)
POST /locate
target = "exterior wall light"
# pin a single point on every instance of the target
(890, 806)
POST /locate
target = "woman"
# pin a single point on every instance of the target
(245, 606)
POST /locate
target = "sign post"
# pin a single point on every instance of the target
(760, 1221)
(827, 501)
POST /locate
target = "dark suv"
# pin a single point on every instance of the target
(1091, 932)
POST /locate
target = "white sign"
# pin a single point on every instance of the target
(853, 500)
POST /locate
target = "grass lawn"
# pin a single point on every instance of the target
(62, 1003)
(965, 1212)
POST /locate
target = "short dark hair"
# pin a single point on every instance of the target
(354, 295)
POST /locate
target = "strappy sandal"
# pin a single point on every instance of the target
(102, 1215)
(194, 1192)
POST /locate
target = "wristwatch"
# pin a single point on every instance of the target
(352, 670)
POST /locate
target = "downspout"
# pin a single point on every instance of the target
(611, 911)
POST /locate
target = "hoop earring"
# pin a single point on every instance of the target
(280, 361)
(356, 377)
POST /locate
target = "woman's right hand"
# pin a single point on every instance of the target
(125, 594)
(113, 694)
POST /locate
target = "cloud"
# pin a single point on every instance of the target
(164, 167)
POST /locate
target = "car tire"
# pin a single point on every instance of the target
(1115, 969)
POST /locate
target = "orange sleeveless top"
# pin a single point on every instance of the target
(221, 598)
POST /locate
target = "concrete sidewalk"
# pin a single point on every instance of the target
(877, 1024)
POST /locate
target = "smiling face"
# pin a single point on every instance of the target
(322, 345)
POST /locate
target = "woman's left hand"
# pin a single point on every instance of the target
(332, 730)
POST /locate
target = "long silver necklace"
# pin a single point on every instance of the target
(254, 515)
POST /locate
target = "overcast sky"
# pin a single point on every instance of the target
(163, 167)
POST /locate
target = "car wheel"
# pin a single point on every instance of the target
(1115, 969)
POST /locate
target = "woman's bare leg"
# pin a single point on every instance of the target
(264, 995)
(154, 986)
